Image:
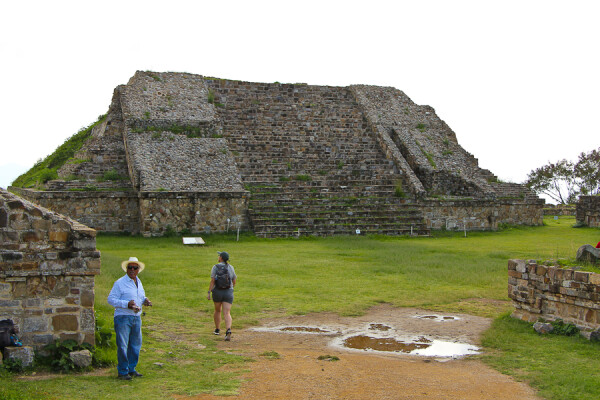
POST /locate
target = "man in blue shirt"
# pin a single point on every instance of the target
(127, 297)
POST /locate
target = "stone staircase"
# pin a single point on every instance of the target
(506, 190)
(310, 162)
(300, 209)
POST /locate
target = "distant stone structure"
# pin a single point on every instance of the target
(201, 154)
(47, 268)
(588, 211)
(552, 293)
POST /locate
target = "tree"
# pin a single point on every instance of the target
(587, 172)
(556, 180)
(564, 180)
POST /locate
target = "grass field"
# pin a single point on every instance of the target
(347, 275)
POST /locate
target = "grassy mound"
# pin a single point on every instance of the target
(46, 169)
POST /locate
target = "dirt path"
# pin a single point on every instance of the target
(298, 373)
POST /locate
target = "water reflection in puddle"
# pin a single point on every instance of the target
(421, 346)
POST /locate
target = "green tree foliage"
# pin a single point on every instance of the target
(587, 172)
(563, 181)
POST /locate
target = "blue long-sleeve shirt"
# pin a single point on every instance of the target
(123, 291)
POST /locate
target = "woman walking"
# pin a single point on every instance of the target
(222, 281)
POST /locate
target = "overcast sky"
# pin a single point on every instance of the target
(517, 81)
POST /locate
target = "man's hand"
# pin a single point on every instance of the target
(133, 306)
(147, 302)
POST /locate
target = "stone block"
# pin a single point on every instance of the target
(62, 310)
(69, 336)
(88, 320)
(5, 288)
(81, 359)
(543, 328)
(521, 266)
(588, 253)
(514, 274)
(3, 218)
(541, 270)
(580, 276)
(55, 236)
(594, 279)
(42, 340)
(25, 354)
(87, 298)
(33, 303)
(85, 244)
(41, 225)
(65, 323)
(11, 255)
(35, 324)
(568, 274)
(54, 302)
(31, 236)
(9, 304)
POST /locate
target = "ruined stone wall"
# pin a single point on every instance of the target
(164, 99)
(588, 211)
(480, 214)
(560, 210)
(192, 212)
(425, 142)
(552, 293)
(163, 161)
(107, 211)
(47, 268)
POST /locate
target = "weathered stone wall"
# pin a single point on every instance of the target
(107, 211)
(588, 211)
(552, 293)
(165, 161)
(560, 210)
(426, 143)
(480, 214)
(148, 213)
(47, 268)
(192, 212)
(163, 99)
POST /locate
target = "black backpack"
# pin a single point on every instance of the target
(7, 328)
(222, 278)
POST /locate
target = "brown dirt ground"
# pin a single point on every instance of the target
(299, 374)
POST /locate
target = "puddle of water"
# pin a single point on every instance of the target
(420, 346)
(296, 329)
(438, 318)
(440, 348)
(303, 329)
(364, 342)
(379, 327)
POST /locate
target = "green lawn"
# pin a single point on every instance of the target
(346, 275)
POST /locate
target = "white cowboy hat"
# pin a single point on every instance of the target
(132, 260)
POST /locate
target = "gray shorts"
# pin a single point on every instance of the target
(222, 295)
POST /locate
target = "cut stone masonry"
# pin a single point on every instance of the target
(47, 268)
(282, 160)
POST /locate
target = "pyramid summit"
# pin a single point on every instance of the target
(187, 153)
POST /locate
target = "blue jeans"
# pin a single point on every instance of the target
(128, 329)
